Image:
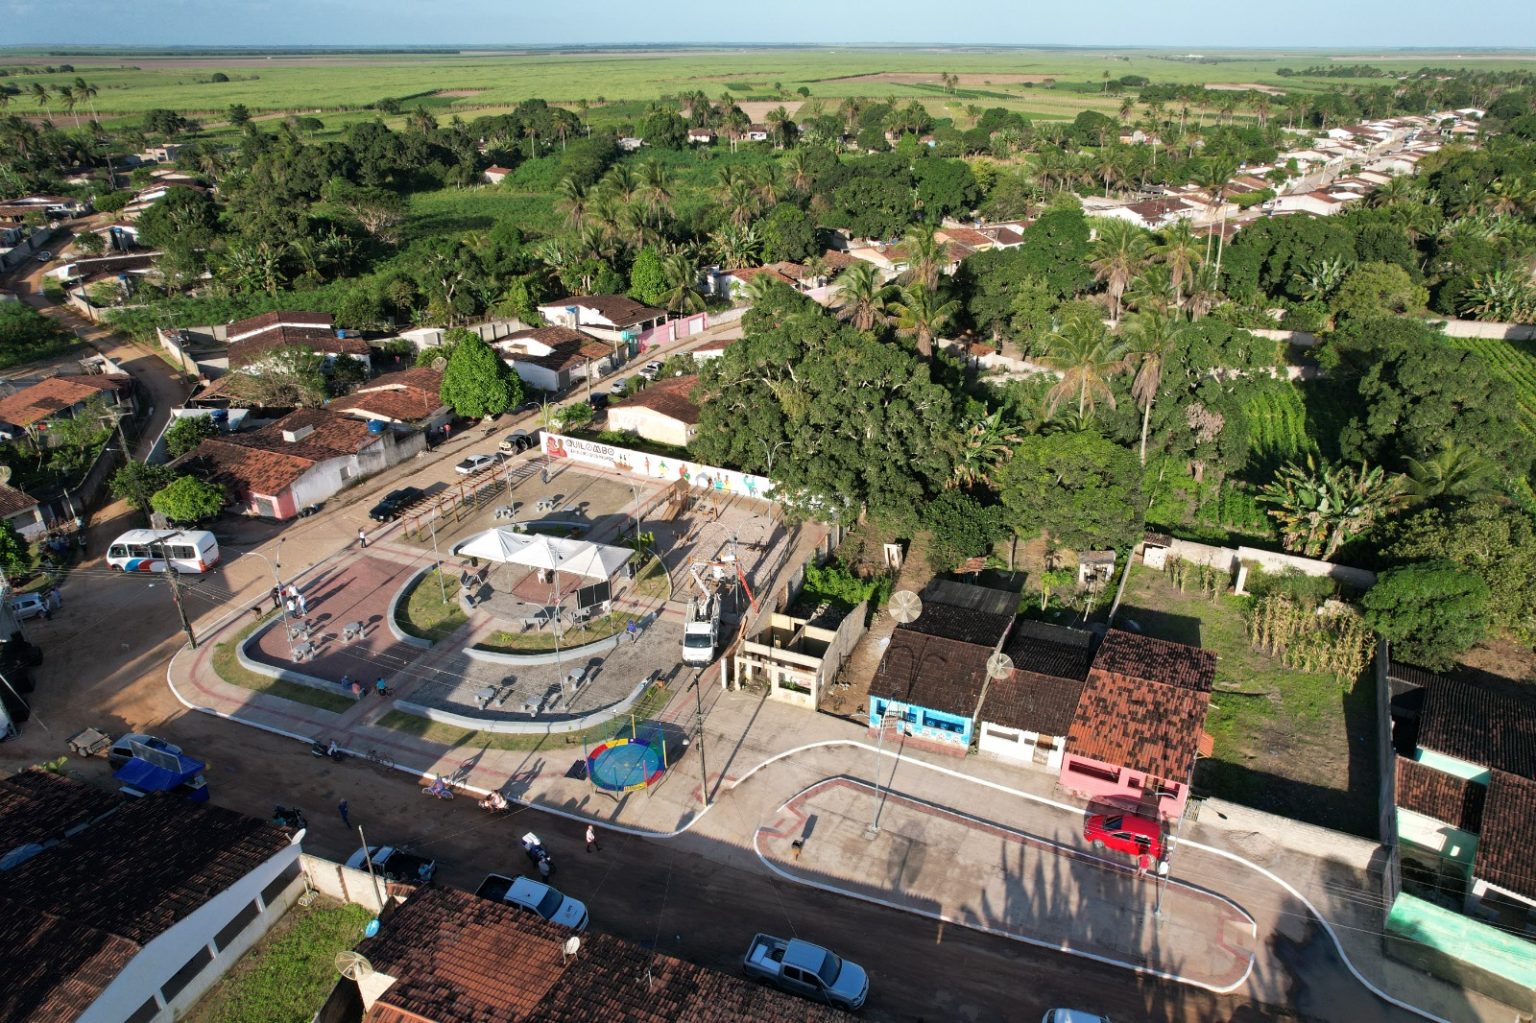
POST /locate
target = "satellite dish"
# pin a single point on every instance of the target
(569, 948)
(439, 363)
(906, 606)
(353, 965)
(999, 665)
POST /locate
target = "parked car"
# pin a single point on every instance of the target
(651, 370)
(519, 441)
(394, 503)
(806, 969)
(393, 865)
(475, 463)
(1073, 1016)
(28, 605)
(618, 386)
(599, 401)
(44, 256)
(122, 748)
(1125, 832)
(537, 897)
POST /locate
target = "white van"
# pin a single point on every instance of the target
(147, 550)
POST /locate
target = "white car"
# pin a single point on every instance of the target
(537, 897)
(650, 370)
(474, 464)
(27, 606)
(1073, 1016)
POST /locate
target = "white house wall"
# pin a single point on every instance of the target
(535, 375)
(159, 960)
(650, 424)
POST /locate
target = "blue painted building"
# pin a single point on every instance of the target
(933, 676)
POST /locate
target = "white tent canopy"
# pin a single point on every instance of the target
(576, 557)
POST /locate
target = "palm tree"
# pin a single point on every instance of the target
(656, 184)
(921, 313)
(766, 181)
(1150, 338)
(926, 256)
(69, 100)
(1117, 255)
(1502, 295)
(986, 442)
(681, 275)
(621, 183)
(1318, 508)
(39, 92)
(1215, 175)
(861, 296)
(797, 170)
(1203, 291)
(1180, 253)
(1320, 279)
(741, 202)
(1455, 470)
(1151, 290)
(735, 246)
(777, 119)
(572, 201)
(1086, 355)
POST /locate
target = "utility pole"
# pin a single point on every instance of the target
(368, 859)
(174, 578)
(698, 702)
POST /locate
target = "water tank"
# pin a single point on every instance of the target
(377, 426)
(341, 334)
(219, 415)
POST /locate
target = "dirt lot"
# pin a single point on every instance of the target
(758, 109)
(917, 78)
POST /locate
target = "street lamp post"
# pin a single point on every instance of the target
(275, 563)
(890, 711)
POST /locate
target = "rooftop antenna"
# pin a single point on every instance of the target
(353, 965)
(906, 606)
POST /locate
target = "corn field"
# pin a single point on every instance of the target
(1332, 639)
(1277, 425)
(1208, 579)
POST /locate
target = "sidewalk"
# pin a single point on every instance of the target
(970, 870)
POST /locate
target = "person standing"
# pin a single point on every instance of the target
(277, 598)
(381, 687)
(298, 598)
(362, 538)
(341, 808)
(357, 689)
(545, 867)
(592, 840)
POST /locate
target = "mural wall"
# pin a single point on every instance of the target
(657, 467)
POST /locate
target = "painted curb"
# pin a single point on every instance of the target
(394, 604)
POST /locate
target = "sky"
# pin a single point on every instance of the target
(1329, 24)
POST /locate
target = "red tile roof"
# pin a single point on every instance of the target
(551, 336)
(620, 310)
(407, 396)
(74, 915)
(1144, 705)
(13, 501)
(272, 319)
(936, 672)
(244, 470)
(1451, 800)
(1050, 665)
(1505, 854)
(31, 405)
(456, 958)
(669, 397)
(315, 339)
(1474, 723)
(326, 434)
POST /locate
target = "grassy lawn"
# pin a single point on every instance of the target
(653, 581)
(425, 614)
(228, 665)
(1289, 742)
(289, 973)
(539, 640)
(650, 704)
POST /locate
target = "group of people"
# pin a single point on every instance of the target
(356, 687)
(289, 598)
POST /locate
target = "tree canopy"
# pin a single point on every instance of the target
(477, 382)
(1429, 612)
(188, 499)
(1083, 490)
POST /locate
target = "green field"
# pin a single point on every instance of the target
(327, 83)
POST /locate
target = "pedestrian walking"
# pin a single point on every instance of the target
(341, 808)
(362, 538)
(633, 632)
(290, 605)
(545, 867)
(303, 604)
(592, 845)
(379, 685)
(277, 598)
(357, 689)
(55, 599)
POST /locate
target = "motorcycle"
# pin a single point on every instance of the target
(289, 817)
(495, 802)
(325, 751)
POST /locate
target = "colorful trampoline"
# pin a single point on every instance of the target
(627, 763)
